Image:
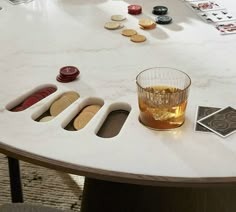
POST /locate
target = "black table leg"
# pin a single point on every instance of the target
(15, 180)
(107, 196)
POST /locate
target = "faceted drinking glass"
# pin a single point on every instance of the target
(162, 97)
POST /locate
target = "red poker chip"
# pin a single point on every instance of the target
(46, 91)
(134, 9)
(30, 101)
(134, 13)
(68, 77)
(34, 98)
(38, 95)
(59, 79)
(43, 93)
(65, 78)
(18, 109)
(50, 89)
(67, 74)
(69, 71)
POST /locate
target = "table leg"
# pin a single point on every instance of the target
(15, 180)
(119, 197)
(106, 196)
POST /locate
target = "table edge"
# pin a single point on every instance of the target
(115, 176)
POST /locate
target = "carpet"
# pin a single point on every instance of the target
(43, 186)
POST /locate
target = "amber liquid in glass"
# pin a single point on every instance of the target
(162, 116)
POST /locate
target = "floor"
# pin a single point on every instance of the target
(43, 186)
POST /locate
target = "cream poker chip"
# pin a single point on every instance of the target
(92, 108)
(71, 95)
(63, 102)
(138, 38)
(112, 25)
(118, 17)
(85, 116)
(146, 23)
(128, 32)
(153, 26)
(82, 120)
(46, 118)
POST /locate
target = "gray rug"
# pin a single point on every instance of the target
(43, 186)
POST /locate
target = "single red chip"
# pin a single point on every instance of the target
(59, 79)
(43, 93)
(68, 77)
(18, 109)
(52, 89)
(49, 90)
(46, 91)
(69, 71)
(134, 7)
(38, 95)
(30, 101)
(134, 13)
(65, 78)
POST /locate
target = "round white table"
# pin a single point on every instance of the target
(40, 37)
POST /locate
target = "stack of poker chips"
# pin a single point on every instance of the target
(85, 116)
(115, 23)
(134, 36)
(147, 24)
(161, 12)
(34, 98)
(63, 102)
(60, 104)
(67, 74)
(134, 9)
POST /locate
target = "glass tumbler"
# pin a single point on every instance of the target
(162, 97)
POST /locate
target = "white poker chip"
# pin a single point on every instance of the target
(112, 25)
(118, 17)
(46, 118)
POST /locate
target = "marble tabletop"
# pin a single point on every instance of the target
(41, 36)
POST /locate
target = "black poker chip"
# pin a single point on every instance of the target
(160, 10)
(163, 19)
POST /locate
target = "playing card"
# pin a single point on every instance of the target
(222, 122)
(19, 1)
(201, 113)
(192, 0)
(225, 28)
(202, 6)
(217, 16)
